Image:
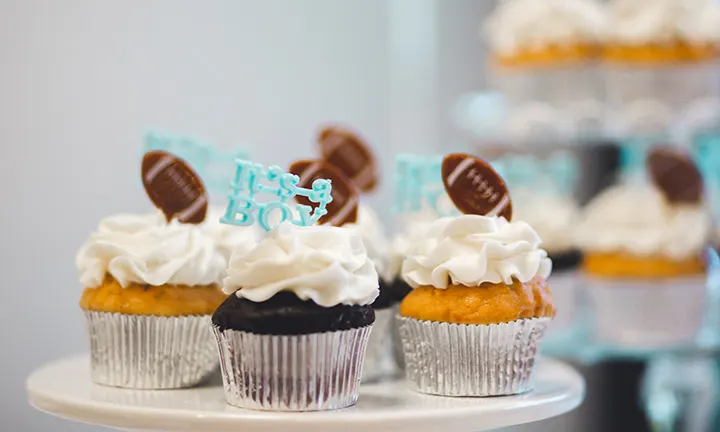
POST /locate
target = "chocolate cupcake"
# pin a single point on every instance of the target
(292, 335)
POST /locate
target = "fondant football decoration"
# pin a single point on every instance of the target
(344, 206)
(474, 187)
(174, 187)
(350, 155)
(675, 174)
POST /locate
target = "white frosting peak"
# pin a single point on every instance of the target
(326, 264)
(470, 250)
(370, 230)
(639, 22)
(520, 25)
(635, 218)
(145, 249)
(229, 238)
(413, 232)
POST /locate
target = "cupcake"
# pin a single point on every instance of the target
(526, 33)
(480, 301)
(643, 244)
(150, 289)
(379, 359)
(293, 332)
(662, 31)
(643, 263)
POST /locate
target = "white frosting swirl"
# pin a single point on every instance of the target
(635, 218)
(638, 22)
(522, 25)
(229, 238)
(553, 217)
(325, 264)
(469, 250)
(145, 249)
(405, 240)
(370, 230)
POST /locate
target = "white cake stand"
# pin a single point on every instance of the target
(63, 388)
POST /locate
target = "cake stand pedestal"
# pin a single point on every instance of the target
(63, 388)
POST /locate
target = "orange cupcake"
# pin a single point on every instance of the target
(643, 265)
(143, 276)
(630, 231)
(478, 282)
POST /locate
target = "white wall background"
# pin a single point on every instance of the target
(81, 80)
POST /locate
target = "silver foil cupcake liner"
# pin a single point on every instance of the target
(397, 342)
(641, 313)
(379, 357)
(471, 360)
(149, 352)
(314, 372)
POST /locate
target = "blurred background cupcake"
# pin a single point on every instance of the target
(661, 31)
(541, 56)
(529, 33)
(661, 64)
(643, 246)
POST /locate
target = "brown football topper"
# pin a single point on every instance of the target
(350, 155)
(675, 174)
(344, 206)
(174, 187)
(474, 187)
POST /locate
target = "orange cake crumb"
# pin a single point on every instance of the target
(625, 265)
(549, 55)
(485, 304)
(165, 300)
(676, 52)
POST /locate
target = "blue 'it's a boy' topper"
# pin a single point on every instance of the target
(419, 185)
(252, 179)
(209, 162)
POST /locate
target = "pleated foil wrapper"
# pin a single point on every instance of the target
(380, 358)
(639, 313)
(397, 342)
(471, 360)
(314, 372)
(148, 352)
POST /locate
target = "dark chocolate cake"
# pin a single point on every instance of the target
(286, 314)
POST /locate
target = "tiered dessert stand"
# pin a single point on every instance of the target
(538, 114)
(63, 388)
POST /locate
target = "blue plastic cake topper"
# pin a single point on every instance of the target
(252, 179)
(418, 184)
(210, 163)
